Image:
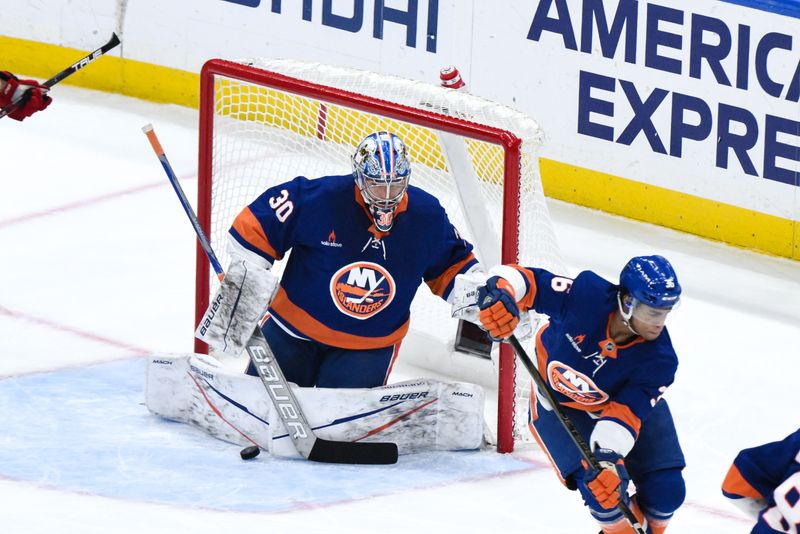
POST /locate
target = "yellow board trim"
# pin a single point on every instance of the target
(109, 73)
(577, 185)
(680, 211)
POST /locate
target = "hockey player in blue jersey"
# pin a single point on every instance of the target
(764, 482)
(607, 358)
(361, 244)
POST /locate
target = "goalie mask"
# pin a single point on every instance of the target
(649, 290)
(381, 171)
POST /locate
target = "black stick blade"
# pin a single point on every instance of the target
(114, 41)
(347, 452)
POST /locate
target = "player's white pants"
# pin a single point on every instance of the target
(417, 415)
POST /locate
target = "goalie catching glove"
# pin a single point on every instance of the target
(29, 95)
(237, 307)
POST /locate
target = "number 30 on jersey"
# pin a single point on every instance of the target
(282, 205)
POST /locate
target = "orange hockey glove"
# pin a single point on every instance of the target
(499, 313)
(607, 485)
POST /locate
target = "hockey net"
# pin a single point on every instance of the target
(266, 121)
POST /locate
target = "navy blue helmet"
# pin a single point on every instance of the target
(651, 280)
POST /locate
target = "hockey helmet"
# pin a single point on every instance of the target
(651, 280)
(651, 290)
(381, 171)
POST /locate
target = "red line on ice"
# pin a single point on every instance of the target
(84, 203)
(71, 330)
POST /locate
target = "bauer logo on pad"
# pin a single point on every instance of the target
(362, 289)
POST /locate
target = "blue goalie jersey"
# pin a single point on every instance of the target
(346, 284)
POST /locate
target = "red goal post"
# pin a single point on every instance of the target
(314, 116)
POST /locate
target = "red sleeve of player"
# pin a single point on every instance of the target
(28, 96)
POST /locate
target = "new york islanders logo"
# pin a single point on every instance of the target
(362, 289)
(575, 385)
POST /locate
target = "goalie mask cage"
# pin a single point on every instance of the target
(264, 121)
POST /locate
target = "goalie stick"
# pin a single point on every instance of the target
(565, 421)
(291, 413)
(72, 69)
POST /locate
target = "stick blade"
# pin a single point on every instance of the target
(347, 452)
(113, 42)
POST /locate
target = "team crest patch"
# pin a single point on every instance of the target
(362, 289)
(575, 385)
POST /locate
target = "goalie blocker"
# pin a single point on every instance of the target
(417, 415)
(238, 305)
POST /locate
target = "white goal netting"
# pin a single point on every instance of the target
(258, 130)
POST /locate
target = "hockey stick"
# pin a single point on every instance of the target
(291, 413)
(72, 69)
(577, 439)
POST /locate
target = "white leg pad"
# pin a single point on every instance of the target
(418, 415)
(196, 389)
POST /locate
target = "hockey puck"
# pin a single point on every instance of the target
(248, 453)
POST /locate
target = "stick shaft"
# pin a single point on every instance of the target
(568, 425)
(85, 60)
(72, 69)
(187, 207)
